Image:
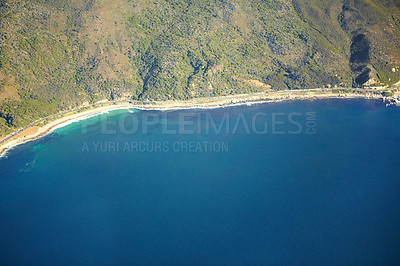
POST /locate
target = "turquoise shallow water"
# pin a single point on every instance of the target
(295, 182)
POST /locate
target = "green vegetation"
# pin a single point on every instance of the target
(59, 54)
(387, 94)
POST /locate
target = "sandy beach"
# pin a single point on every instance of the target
(34, 132)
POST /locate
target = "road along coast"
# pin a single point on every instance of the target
(37, 130)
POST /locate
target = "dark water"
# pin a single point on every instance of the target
(321, 186)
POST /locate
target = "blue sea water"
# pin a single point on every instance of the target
(277, 183)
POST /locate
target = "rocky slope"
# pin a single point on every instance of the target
(56, 54)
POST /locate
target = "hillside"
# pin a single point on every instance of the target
(55, 54)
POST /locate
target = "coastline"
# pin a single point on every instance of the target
(34, 131)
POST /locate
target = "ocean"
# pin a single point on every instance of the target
(301, 182)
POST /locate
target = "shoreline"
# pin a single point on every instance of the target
(34, 131)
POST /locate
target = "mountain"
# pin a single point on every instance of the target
(58, 54)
